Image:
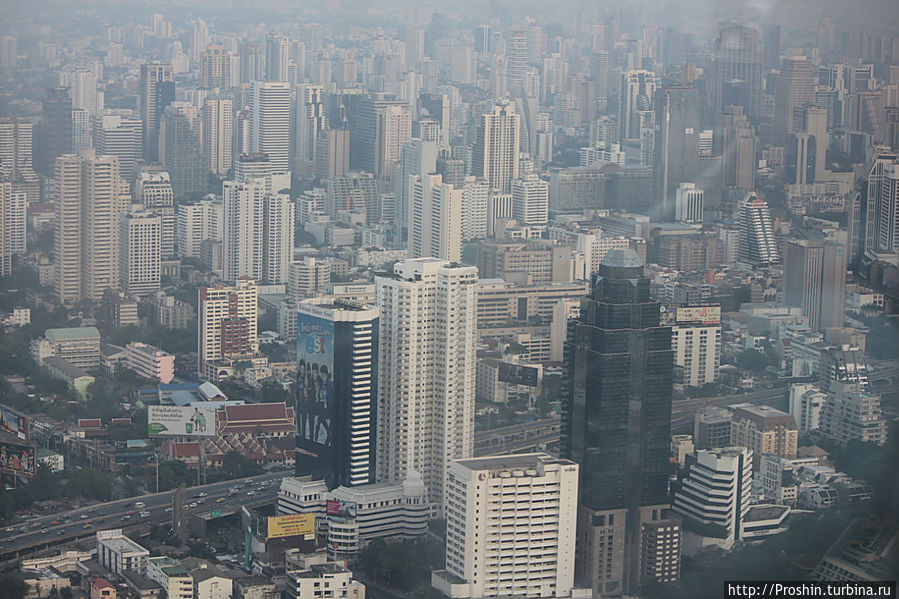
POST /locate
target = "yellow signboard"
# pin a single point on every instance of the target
(291, 526)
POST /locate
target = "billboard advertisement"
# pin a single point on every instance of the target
(191, 421)
(704, 314)
(315, 384)
(518, 374)
(12, 422)
(18, 459)
(337, 507)
(291, 526)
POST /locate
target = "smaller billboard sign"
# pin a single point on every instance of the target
(705, 314)
(293, 525)
(192, 421)
(18, 459)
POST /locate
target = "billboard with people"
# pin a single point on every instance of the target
(191, 421)
(17, 459)
(315, 384)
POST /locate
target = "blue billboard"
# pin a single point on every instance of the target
(315, 384)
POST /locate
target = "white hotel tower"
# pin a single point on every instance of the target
(426, 372)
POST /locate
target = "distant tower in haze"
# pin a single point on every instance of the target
(795, 87)
(675, 146)
(757, 243)
(496, 148)
(157, 90)
(738, 68)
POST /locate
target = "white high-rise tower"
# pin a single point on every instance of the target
(270, 123)
(243, 229)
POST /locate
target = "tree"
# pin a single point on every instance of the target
(753, 360)
(12, 586)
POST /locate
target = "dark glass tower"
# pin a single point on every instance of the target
(54, 133)
(616, 421)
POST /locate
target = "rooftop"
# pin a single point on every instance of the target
(622, 258)
(72, 334)
(512, 461)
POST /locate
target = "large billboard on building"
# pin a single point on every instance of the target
(315, 384)
(192, 421)
(518, 374)
(12, 422)
(17, 459)
(704, 314)
(291, 526)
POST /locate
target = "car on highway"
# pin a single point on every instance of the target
(145, 514)
(84, 516)
(220, 500)
(126, 517)
(192, 504)
(56, 523)
(45, 531)
(168, 509)
(203, 495)
(59, 533)
(251, 492)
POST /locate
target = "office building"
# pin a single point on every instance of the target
(757, 244)
(815, 280)
(180, 149)
(276, 57)
(157, 90)
(153, 191)
(735, 141)
(380, 125)
(738, 69)
(13, 238)
(688, 204)
(435, 219)
(793, 88)
(119, 133)
(495, 157)
(140, 252)
(311, 124)
(215, 68)
(278, 229)
(227, 322)
(635, 103)
(616, 424)
(851, 413)
(675, 145)
(714, 490)
(508, 528)
(530, 200)
(270, 123)
(218, 118)
(886, 213)
(118, 553)
(242, 230)
(53, 135)
(91, 198)
(425, 396)
(336, 392)
(696, 342)
(763, 429)
(254, 166)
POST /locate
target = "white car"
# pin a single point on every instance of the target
(192, 504)
(251, 492)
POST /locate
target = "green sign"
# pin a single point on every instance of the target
(215, 514)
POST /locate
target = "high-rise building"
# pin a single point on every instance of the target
(153, 191)
(215, 68)
(157, 90)
(54, 133)
(815, 280)
(715, 489)
(418, 158)
(242, 233)
(530, 200)
(140, 252)
(851, 413)
(696, 342)
(16, 150)
(517, 59)
(734, 140)
(763, 429)
(886, 227)
(872, 208)
(495, 157)
(336, 391)
(118, 133)
(218, 119)
(757, 243)
(675, 145)
(426, 370)
(270, 122)
(738, 69)
(311, 123)
(278, 214)
(508, 530)
(435, 219)
(333, 154)
(252, 62)
(92, 196)
(688, 203)
(195, 225)
(82, 86)
(635, 111)
(806, 146)
(254, 166)
(13, 237)
(616, 424)
(475, 201)
(180, 149)
(794, 87)
(276, 57)
(380, 125)
(227, 327)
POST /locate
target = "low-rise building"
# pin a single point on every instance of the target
(79, 346)
(77, 379)
(852, 414)
(118, 553)
(763, 429)
(150, 362)
(174, 578)
(314, 577)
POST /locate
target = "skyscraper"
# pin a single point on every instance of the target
(154, 192)
(517, 55)
(757, 243)
(435, 219)
(426, 370)
(270, 123)
(380, 125)
(336, 391)
(227, 327)
(418, 158)
(278, 214)
(530, 200)
(738, 69)
(794, 87)
(215, 68)
(815, 280)
(16, 151)
(140, 252)
(156, 91)
(242, 234)
(635, 98)
(310, 124)
(734, 140)
(218, 117)
(276, 57)
(119, 134)
(675, 145)
(496, 148)
(13, 236)
(91, 198)
(616, 423)
(180, 149)
(54, 133)
(887, 210)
